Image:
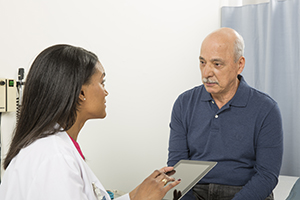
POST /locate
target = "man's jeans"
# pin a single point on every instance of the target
(218, 192)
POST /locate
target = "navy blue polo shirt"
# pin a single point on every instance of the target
(244, 137)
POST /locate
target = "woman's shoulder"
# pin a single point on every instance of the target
(46, 164)
(48, 148)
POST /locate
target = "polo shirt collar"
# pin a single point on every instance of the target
(240, 99)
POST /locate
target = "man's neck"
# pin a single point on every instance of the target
(223, 99)
(220, 101)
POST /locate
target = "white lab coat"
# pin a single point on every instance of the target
(51, 169)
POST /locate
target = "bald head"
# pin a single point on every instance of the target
(221, 62)
(229, 37)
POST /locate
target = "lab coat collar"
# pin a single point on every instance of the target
(94, 180)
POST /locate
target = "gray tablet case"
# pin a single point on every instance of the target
(190, 172)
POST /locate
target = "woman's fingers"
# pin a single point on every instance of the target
(164, 178)
(166, 169)
(171, 185)
(170, 173)
(155, 174)
(161, 176)
(155, 186)
(168, 182)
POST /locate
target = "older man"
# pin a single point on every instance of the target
(227, 121)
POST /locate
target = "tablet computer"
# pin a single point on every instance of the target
(190, 172)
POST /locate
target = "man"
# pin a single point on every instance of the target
(227, 121)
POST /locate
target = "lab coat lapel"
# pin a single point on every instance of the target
(90, 180)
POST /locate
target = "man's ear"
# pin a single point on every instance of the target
(241, 63)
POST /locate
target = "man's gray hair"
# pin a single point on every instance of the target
(239, 46)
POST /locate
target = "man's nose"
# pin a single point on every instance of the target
(207, 71)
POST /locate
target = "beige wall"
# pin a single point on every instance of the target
(149, 50)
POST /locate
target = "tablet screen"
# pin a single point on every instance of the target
(190, 172)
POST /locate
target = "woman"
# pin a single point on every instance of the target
(64, 88)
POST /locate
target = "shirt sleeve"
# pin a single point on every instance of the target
(269, 150)
(178, 147)
(58, 177)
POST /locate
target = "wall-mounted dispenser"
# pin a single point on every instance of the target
(8, 91)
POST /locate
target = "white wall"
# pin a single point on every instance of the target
(149, 50)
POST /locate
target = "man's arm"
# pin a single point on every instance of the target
(269, 150)
(178, 147)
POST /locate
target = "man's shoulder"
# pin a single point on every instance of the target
(193, 91)
(191, 97)
(260, 96)
(254, 95)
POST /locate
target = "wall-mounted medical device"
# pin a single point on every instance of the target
(20, 85)
(8, 94)
(11, 92)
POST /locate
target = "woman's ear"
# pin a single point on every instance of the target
(82, 96)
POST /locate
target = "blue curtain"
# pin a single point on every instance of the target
(271, 32)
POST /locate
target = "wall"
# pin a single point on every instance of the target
(149, 50)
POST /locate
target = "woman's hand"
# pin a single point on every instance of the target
(154, 186)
